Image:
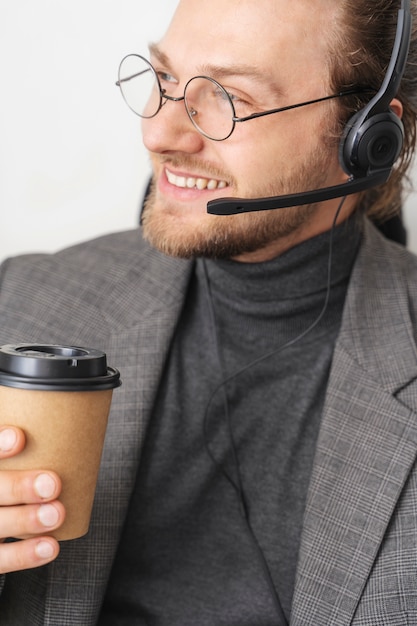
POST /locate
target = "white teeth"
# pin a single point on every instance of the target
(191, 182)
(201, 183)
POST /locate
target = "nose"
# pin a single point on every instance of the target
(171, 130)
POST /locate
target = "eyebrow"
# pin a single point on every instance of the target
(222, 71)
(154, 50)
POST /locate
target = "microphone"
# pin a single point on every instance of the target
(231, 206)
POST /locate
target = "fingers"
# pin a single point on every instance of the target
(27, 520)
(28, 504)
(12, 441)
(29, 509)
(27, 554)
(26, 487)
(23, 487)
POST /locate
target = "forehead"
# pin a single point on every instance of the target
(285, 36)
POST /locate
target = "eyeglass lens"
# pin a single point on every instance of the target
(209, 107)
(139, 86)
(207, 102)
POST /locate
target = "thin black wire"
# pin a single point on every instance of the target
(238, 486)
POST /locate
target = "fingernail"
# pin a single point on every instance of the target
(45, 486)
(48, 515)
(8, 439)
(44, 550)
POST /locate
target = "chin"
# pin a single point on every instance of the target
(213, 237)
(176, 235)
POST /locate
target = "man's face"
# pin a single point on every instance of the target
(267, 54)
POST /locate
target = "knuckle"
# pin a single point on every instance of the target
(16, 521)
(13, 485)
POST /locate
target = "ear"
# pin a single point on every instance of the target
(396, 107)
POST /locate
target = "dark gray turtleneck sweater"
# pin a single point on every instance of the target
(187, 557)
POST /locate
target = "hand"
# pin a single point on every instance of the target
(28, 506)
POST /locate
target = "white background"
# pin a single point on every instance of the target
(72, 165)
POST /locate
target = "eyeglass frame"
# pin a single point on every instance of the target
(164, 96)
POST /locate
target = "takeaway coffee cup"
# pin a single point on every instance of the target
(60, 396)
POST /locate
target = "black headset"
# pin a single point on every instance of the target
(374, 136)
(370, 145)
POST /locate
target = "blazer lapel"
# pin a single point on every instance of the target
(366, 446)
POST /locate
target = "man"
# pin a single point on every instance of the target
(259, 465)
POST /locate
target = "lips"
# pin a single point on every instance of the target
(191, 182)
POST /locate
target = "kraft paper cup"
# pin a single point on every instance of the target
(60, 396)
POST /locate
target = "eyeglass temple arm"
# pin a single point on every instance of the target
(125, 80)
(349, 92)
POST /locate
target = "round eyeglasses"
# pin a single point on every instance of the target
(209, 106)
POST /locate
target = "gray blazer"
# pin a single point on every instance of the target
(358, 557)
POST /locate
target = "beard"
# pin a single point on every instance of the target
(225, 237)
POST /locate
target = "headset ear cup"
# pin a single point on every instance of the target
(373, 145)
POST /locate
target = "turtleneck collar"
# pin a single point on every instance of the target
(299, 272)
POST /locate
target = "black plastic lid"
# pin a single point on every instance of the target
(54, 367)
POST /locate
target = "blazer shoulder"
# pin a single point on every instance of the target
(387, 260)
(108, 282)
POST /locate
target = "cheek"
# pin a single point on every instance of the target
(288, 147)
(259, 161)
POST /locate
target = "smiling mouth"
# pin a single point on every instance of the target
(191, 182)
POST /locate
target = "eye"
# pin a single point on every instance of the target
(241, 105)
(234, 98)
(224, 94)
(165, 78)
